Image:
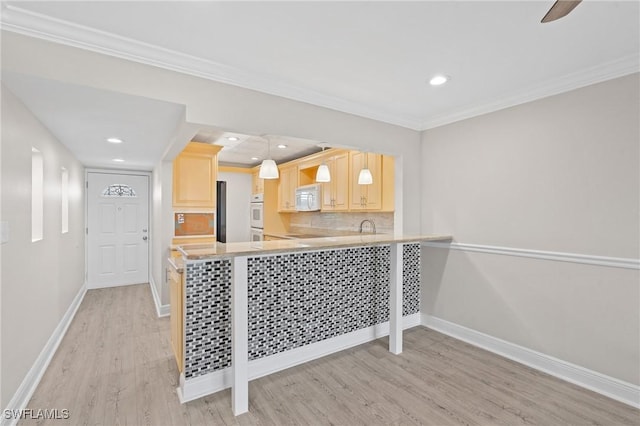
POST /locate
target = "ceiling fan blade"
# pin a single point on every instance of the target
(559, 9)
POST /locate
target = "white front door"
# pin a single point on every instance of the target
(118, 229)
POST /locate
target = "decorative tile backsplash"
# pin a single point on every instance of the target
(293, 300)
(302, 298)
(342, 221)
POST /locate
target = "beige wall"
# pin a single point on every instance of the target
(162, 230)
(158, 249)
(559, 174)
(39, 279)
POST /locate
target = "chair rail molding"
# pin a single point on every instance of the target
(613, 262)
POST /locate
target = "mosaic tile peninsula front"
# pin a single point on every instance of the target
(293, 300)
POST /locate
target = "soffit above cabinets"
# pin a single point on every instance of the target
(250, 150)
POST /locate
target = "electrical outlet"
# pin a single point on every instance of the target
(4, 232)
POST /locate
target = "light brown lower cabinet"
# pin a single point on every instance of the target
(176, 301)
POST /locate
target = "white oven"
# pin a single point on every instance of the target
(257, 211)
(257, 234)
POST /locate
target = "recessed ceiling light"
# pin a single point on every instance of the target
(255, 158)
(114, 140)
(233, 138)
(282, 146)
(437, 80)
(118, 160)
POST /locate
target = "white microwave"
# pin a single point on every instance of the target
(309, 198)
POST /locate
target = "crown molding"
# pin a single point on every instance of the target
(25, 22)
(22, 21)
(596, 74)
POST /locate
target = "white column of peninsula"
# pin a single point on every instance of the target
(239, 337)
(395, 299)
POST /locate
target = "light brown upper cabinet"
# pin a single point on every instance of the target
(257, 184)
(366, 197)
(287, 188)
(335, 194)
(195, 171)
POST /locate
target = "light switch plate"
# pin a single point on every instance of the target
(4, 232)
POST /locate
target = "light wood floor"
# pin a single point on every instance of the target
(115, 367)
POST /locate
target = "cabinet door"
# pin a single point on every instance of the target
(335, 194)
(283, 188)
(194, 176)
(340, 179)
(176, 321)
(373, 195)
(257, 186)
(260, 186)
(328, 187)
(366, 197)
(293, 185)
(287, 189)
(254, 183)
(358, 192)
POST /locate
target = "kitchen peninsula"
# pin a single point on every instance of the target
(251, 309)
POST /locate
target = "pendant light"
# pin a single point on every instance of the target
(268, 168)
(365, 177)
(323, 174)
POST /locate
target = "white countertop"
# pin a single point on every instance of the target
(216, 250)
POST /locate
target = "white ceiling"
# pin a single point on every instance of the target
(371, 59)
(83, 118)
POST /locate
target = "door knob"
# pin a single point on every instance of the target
(144, 238)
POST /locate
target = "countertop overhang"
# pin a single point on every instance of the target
(176, 263)
(255, 248)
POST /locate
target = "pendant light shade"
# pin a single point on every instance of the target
(365, 177)
(268, 170)
(323, 174)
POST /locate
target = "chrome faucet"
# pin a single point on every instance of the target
(373, 225)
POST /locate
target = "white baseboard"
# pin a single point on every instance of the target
(32, 379)
(619, 390)
(213, 382)
(161, 310)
